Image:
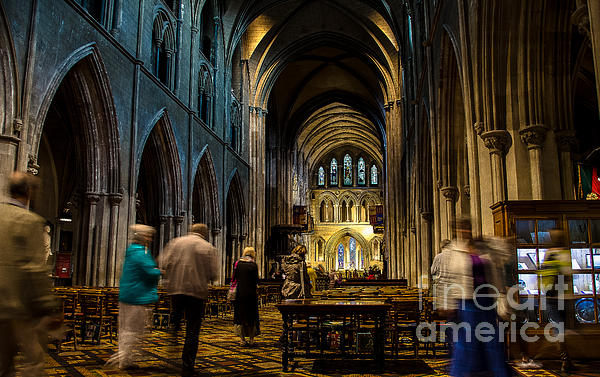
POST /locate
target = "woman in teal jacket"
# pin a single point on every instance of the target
(137, 293)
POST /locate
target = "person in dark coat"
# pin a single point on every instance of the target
(297, 281)
(245, 306)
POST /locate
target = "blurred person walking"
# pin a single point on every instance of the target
(28, 304)
(189, 263)
(465, 288)
(555, 272)
(245, 305)
(137, 293)
(297, 281)
(312, 276)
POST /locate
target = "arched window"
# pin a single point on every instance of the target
(364, 209)
(321, 181)
(205, 95)
(350, 209)
(344, 210)
(320, 257)
(340, 256)
(347, 170)
(361, 172)
(207, 31)
(334, 177)
(362, 258)
(235, 133)
(163, 48)
(374, 180)
(323, 211)
(352, 254)
(329, 211)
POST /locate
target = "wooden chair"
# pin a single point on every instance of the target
(95, 317)
(405, 316)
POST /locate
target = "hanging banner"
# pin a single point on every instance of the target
(376, 218)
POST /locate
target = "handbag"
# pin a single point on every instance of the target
(233, 286)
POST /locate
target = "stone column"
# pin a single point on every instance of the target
(451, 195)
(91, 201)
(115, 201)
(533, 137)
(178, 221)
(161, 233)
(566, 140)
(498, 142)
(336, 213)
(426, 246)
(594, 20)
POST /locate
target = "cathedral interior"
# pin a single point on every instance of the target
(361, 129)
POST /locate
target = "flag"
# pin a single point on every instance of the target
(589, 182)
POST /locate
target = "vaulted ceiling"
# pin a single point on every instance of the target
(324, 69)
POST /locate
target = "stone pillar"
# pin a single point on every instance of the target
(426, 247)
(594, 20)
(161, 233)
(257, 208)
(533, 137)
(336, 213)
(178, 220)
(451, 195)
(566, 140)
(91, 201)
(498, 142)
(115, 201)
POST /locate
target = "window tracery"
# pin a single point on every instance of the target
(205, 95)
(374, 180)
(163, 48)
(333, 169)
(361, 172)
(347, 170)
(321, 180)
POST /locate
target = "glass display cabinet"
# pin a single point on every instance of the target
(529, 223)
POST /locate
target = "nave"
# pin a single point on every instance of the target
(219, 354)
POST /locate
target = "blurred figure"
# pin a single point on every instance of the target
(312, 276)
(245, 305)
(189, 263)
(297, 282)
(436, 265)
(137, 293)
(555, 272)
(465, 284)
(27, 300)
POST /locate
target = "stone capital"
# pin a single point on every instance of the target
(178, 219)
(565, 140)
(92, 197)
(450, 193)
(163, 219)
(533, 136)
(497, 141)
(216, 231)
(115, 199)
(427, 216)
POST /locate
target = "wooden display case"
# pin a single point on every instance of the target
(529, 222)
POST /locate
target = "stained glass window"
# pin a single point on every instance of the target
(361, 172)
(347, 170)
(340, 257)
(333, 180)
(352, 254)
(362, 259)
(321, 176)
(374, 175)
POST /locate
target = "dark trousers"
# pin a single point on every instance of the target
(193, 309)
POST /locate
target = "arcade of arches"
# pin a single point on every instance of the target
(233, 112)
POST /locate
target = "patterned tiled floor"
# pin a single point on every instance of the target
(220, 355)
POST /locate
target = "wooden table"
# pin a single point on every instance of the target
(317, 318)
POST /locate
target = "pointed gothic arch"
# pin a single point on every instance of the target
(159, 193)
(235, 221)
(205, 194)
(75, 152)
